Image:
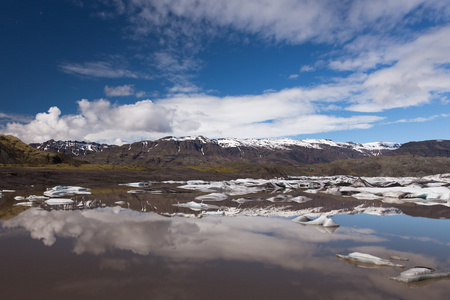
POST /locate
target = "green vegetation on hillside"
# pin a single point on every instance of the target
(14, 151)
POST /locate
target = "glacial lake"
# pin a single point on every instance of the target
(114, 252)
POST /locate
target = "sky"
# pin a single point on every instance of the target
(120, 71)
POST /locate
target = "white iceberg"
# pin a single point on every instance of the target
(37, 198)
(419, 274)
(60, 201)
(24, 204)
(61, 191)
(212, 197)
(196, 206)
(323, 221)
(214, 213)
(365, 258)
(330, 223)
(136, 184)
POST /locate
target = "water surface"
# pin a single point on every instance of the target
(119, 253)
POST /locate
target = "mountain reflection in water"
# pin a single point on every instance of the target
(119, 253)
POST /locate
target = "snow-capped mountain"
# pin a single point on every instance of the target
(71, 148)
(193, 150)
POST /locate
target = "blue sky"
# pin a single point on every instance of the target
(121, 71)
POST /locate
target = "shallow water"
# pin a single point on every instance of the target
(117, 253)
(114, 253)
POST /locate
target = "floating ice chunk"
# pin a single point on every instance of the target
(365, 258)
(246, 199)
(322, 221)
(399, 258)
(318, 221)
(301, 219)
(136, 184)
(212, 197)
(197, 206)
(60, 191)
(289, 198)
(419, 274)
(366, 196)
(330, 223)
(24, 204)
(60, 201)
(120, 202)
(37, 198)
(214, 213)
(19, 198)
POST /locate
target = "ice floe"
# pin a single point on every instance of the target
(37, 198)
(418, 274)
(136, 184)
(212, 197)
(59, 201)
(429, 190)
(363, 259)
(322, 220)
(61, 191)
(24, 204)
(197, 206)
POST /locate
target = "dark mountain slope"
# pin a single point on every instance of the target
(14, 151)
(171, 151)
(431, 148)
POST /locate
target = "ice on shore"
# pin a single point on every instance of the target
(364, 258)
(419, 274)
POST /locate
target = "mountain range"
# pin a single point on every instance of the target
(198, 150)
(199, 156)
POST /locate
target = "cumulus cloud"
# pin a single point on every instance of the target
(275, 114)
(97, 121)
(417, 73)
(119, 91)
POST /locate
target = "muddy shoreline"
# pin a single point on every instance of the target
(19, 178)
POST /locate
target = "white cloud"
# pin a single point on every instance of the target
(118, 91)
(293, 76)
(307, 68)
(420, 119)
(275, 114)
(97, 121)
(102, 69)
(293, 21)
(14, 118)
(418, 74)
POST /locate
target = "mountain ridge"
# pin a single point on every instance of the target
(193, 150)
